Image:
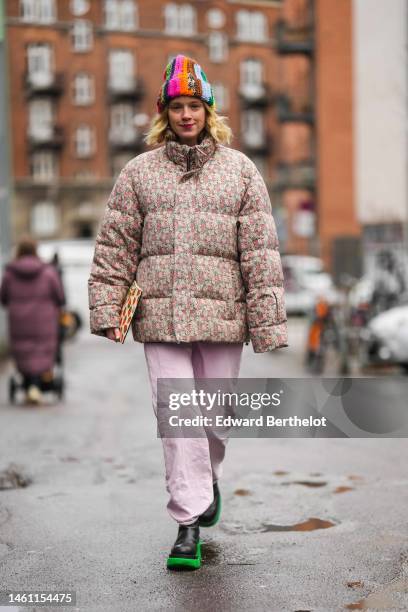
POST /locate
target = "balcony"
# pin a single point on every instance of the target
(125, 139)
(123, 89)
(45, 137)
(254, 95)
(288, 111)
(40, 83)
(301, 175)
(256, 144)
(294, 39)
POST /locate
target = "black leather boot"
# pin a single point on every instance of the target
(186, 552)
(212, 514)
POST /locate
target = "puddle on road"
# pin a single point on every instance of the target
(343, 489)
(383, 600)
(306, 483)
(280, 473)
(13, 477)
(310, 525)
(211, 552)
(242, 492)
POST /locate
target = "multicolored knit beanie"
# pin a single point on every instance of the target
(184, 77)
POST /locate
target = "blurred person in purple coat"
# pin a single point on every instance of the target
(32, 292)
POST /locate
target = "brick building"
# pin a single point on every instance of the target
(84, 78)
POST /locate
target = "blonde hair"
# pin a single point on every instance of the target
(215, 125)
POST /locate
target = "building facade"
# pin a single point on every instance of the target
(84, 82)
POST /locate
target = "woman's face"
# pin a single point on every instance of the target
(186, 118)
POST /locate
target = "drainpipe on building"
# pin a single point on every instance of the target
(5, 241)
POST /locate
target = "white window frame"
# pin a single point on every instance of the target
(84, 141)
(215, 18)
(121, 14)
(40, 11)
(252, 26)
(217, 47)
(122, 69)
(187, 20)
(43, 166)
(122, 127)
(252, 77)
(45, 218)
(82, 36)
(180, 19)
(79, 7)
(252, 127)
(40, 119)
(83, 89)
(40, 64)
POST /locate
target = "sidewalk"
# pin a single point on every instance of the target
(94, 518)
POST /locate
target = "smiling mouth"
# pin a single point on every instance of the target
(187, 125)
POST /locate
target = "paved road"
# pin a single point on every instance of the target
(308, 524)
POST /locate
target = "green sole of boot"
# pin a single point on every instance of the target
(185, 562)
(215, 519)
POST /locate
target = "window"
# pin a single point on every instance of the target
(180, 19)
(43, 166)
(84, 91)
(217, 44)
(40, 119)
(215, 18)
(221, 96)
(84, 141)
(187, 20)
(251, 26)
(120, 14)
(251, 77)
(40, 64)
(252, 128)
(42, 11)
(121, 70)
(122, 125)
(82, 35)
(79, 7)
(44, 219)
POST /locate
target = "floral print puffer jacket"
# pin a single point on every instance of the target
(194, 226)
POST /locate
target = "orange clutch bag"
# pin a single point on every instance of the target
(129, 309)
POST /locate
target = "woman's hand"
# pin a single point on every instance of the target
(113, 334)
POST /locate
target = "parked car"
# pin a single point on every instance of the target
(305, 283)
(386, 338)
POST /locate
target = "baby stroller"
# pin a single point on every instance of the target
(52, 380)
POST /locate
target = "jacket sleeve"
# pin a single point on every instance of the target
(117, 252)
(261, 268)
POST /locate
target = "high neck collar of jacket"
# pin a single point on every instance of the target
(192, 158)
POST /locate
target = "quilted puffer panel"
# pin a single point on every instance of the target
(194, 225)
(214, 234)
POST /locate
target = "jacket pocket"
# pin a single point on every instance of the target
(230, 313)
(279, 305)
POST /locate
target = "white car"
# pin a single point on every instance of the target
(389, 330)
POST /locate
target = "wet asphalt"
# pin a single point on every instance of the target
(307, 524)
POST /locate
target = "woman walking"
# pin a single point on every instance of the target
(191, 220)
(32, 292)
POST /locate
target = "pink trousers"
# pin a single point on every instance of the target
(192, 464)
